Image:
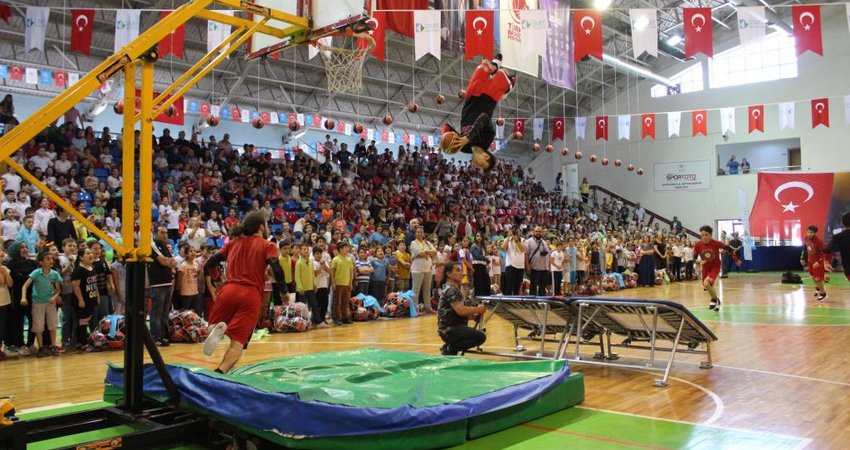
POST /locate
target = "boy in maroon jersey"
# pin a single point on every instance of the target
(708, 251)
(814, 257)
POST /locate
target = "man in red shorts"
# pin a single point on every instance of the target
(814, 257)
(236, 305)
(708, 251)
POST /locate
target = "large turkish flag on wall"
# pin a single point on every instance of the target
(176, 119)
(787, 203)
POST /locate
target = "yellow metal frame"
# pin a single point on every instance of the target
(141, 52)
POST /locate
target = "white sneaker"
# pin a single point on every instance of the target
(25, 351)
(216, 333)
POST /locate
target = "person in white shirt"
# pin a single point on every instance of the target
(113, 222)
(688, 259)
(42, 216)
(10, 225)
(422, 254)
(322, 266)
(114, 180)
(514, 262)
(556, 265)
(12, 181)
(678, 252)
(195, 235)
(41, 160)
(23, 204)
(63, 165)
(171, 215)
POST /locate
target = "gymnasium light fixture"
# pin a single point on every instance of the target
(674, 40)
(601, 4)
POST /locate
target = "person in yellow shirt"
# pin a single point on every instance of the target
(305, 283)
(287, 263)
(402, 273)
(342, 278)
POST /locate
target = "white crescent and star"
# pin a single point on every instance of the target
(807, 26)
(819, 106)
(699, 117)
(475, 22)
(592, 24)
(756, 113)
(648, 121)
(601, 122)
(81, 18)
(558, 124)
(374, 21)
(791, 207)
(700, 16)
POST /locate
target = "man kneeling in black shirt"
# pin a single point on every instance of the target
(453, 314)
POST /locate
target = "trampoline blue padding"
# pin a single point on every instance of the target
(413, 391)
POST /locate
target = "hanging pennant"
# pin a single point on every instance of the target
(377, 21)
(751, 24)
(31, 75)
(602, 128)
(587, 34)
(674, 123)
(756, 118)
(807, 28)
(644, 31)
(82, 27)
(426, 33)
(647, 126)
(59, 79)
(820, 112)
(558, 129)
(217, 32)
(36, 27)
(699, 119)
(624, 127)
(581, 128)
(480, 25)
(698, 31)
(173, 43)
(538, 128)
(727, 120)
(126, 27)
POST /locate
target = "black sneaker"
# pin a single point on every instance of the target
(714, 304)
(42, 352)
(821, 296)
(446, 350)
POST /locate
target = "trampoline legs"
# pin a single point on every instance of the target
(707, 364)
(662, 382)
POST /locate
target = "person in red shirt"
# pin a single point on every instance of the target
(708, 250)
(237, 305)
(815, 258)
(487, 86)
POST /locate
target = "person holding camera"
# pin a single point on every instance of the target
(537, 262)
(514, 249)
(453, 314)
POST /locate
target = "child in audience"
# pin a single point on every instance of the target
(187, 280)
(364, 271)
(46, 288)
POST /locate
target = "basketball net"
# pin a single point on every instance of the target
(344, 64)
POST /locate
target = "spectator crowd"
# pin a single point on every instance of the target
(361, 221)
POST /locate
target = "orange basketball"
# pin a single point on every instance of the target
(446, 140)
(500, 121)
(388, 119)
(257, 123)
(412, 107)
(604, 161)
(212, 121)
(592, 158)
(565, 151)
(578, 155)
(462, 94)
(118, 108)
(640, 171)
(630, 167)
(535, 147)
(518, 135)
(358, 128)
(440, 99)
(330, 124)
(549, 148)
(618, 163)
(294, 125)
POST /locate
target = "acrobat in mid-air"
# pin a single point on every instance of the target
(488, 85)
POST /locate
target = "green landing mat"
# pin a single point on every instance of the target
(378, 378)
(794, 315)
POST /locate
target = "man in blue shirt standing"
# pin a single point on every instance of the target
(732, 166)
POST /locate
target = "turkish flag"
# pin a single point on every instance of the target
(698, 31)
(176, 119)
(479, 34)
(385, 136)
(601, 127)
(406, 138)
(173, 43)
(60, 79)
(16, 73)
(5, 12)
(340, 126)
(235, 114)
(317, 121)
(378, 21)
(700, 122)
(265, 117)
(789, 202)
(647, 126)
(807, 30)
(519, 126)
(756, 118)
(400, 19)
(82, 26)
(558, 128)
(587, 34)
(820, 112)
(205, 109)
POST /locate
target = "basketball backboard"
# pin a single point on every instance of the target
(327, 16)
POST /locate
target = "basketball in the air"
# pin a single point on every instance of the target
(462, 94)
(604, 161)
(440, 99)
(518, 135)
(535, 147)
(640, 171)
(330, 124)
(549, 148)
(500, 121)
(592, 158)
(578, 155)
(388, 119)
(412, 107)
(358, 128)
(257, 123)
(565, 151)
(630, 167)
(618, 163)
(212, 121)
(294, 125)
(118, 108)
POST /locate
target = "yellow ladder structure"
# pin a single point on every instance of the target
(142, 52)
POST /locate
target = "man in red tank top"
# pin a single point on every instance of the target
(707, 249)
(237, 305)
(816, 259)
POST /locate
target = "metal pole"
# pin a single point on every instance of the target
(133, 343)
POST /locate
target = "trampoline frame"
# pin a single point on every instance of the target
(594, 316)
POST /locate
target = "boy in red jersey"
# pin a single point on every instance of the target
(236, 305)
(487, 86)
(814, 257)
(708, 251)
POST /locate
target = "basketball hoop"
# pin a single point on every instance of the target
(344, 64)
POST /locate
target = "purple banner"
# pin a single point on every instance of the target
(559, 68)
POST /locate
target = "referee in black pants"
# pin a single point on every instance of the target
(537, 262)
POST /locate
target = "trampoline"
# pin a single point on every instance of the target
(370, 398)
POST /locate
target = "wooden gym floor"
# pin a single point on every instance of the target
(780, 364)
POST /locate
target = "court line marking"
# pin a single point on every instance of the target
(591, 437)
(55, 406)
(684, 422)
